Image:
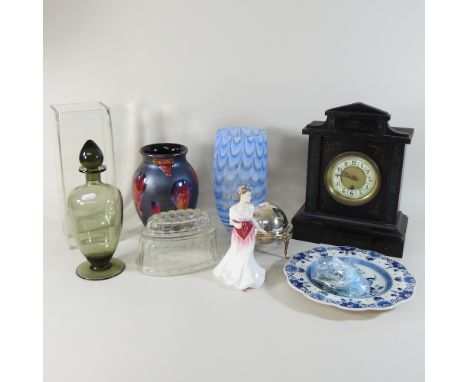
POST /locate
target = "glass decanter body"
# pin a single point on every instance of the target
(96, 213)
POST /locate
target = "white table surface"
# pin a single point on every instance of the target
(191, 328)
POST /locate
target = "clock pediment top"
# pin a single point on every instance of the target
(359, 120)
(358, 109)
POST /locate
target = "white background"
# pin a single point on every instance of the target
(178, 71)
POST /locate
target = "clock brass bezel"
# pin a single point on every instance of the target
(328, 178)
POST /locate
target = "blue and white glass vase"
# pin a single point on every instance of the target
(240, 158)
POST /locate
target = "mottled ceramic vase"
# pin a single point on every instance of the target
(240, 158)
(164, 180)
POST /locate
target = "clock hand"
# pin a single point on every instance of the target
(346, 175)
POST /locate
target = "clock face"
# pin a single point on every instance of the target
(352, 178)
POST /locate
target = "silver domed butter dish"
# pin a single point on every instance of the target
(276, 224)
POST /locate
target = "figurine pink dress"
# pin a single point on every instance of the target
(238, 267)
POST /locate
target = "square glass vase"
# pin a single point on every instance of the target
(177, 242)
(75, 124)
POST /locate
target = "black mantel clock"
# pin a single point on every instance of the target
(354, 173)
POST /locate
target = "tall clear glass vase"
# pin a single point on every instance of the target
(76, 123)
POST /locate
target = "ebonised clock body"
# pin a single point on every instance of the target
(377, 224)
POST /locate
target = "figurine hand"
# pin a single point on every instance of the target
(238, 225)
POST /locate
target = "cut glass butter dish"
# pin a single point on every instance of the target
(177, 242)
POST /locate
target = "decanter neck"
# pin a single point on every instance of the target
(93, 178)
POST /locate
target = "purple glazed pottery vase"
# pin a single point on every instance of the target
(164, 180)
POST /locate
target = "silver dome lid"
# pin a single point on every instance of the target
(271, 218)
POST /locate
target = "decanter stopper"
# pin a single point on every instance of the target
(91, 158)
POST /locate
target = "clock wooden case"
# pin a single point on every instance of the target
(354, 173)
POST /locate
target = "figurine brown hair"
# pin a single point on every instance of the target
(242, 190)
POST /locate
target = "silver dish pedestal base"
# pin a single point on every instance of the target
(285, 236)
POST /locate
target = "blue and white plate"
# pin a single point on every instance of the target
(390, 282)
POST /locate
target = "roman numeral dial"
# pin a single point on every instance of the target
(352, 178)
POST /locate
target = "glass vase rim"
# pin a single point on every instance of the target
(79, 107)
(167, 150)
(234, 131)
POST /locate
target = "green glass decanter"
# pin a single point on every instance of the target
(95, 211)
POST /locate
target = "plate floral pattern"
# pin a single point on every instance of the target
(391, 283)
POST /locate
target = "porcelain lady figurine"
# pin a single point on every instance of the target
(238, 267)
